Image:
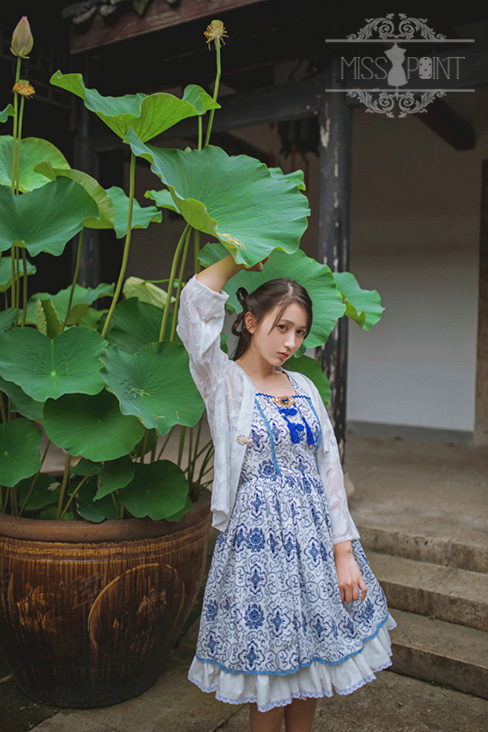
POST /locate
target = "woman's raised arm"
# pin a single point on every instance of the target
(218, 274)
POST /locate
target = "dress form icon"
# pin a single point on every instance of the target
(396, 75)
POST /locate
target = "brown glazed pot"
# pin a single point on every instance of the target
(89, 612)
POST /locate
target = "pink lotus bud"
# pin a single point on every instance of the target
(22, 40)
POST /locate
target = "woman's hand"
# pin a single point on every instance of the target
(257, 267)
(348, 574)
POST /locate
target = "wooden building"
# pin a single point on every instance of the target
(401, 201)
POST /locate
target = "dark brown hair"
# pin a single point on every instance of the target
(282, 292)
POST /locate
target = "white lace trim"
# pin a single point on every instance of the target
(314, 681)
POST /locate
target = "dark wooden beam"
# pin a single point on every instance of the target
(333, 230)
(160, 15)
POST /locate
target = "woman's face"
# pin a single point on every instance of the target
(276, 344)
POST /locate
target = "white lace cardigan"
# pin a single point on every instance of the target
(229, 393)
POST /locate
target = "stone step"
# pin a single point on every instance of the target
(444, 653)
(448, 593)
(435, 538)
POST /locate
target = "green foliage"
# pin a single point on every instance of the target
(34, 150)
(91, 426)
(154, 384)
(148, 115)
(104, 384)
(47, 368)
(20, 441)
(45, 219)
(362, 306)
(234, 198)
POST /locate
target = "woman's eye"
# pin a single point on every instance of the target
(282, 327)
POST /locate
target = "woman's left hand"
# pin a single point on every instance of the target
(348, 575)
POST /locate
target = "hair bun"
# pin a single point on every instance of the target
(242, 294)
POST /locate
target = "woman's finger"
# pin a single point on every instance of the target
(364, 589)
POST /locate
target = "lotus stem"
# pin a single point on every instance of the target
(63, 484)
(75, 279)
(34, 480)
(125, 257)
(181, 445)
(15, 124)
(172, 281)
(190, 449)
(73, 494)
(216, 91)
(144, 443)
(24, 288)
(2, 409)
(200, 132)
(196, 252)
(180, 283)
(193, 458)
(13, 500)
(166, 441)
(19, 139)
(17, 277)
(12, 284)
(4, 504)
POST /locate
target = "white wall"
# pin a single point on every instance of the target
(415, 238)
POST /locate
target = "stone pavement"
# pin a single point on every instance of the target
(423, 490)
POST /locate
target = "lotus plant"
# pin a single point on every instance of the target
(110, 386)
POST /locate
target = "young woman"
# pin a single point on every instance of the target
(291, 608)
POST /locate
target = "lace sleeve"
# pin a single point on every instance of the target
(200, 322)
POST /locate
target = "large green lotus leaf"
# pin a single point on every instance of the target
(134, 324)
(179, 514)
(45, 492)
(82, 296)
(6, 113)
(115, 474)
(362, 306)
(92, 509)
(296, 175)
(311, 368)
(234, 198)
(154, 384)
(20, 442)
(20, 402)
(33, 150)
(8, 318)
(317, 279)
(45, 219)
(86, 467)
(45, 367)
(149, 115)
(199, 98)
(106, 211)
(145, 291)
(163, 199)
(6, 272)
(91, 426)
(158, 490)
(142, 216)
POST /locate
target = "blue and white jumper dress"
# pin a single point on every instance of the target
(273, 627)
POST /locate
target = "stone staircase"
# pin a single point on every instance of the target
(435, 577)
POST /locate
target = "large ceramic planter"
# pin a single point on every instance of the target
(89, 612)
